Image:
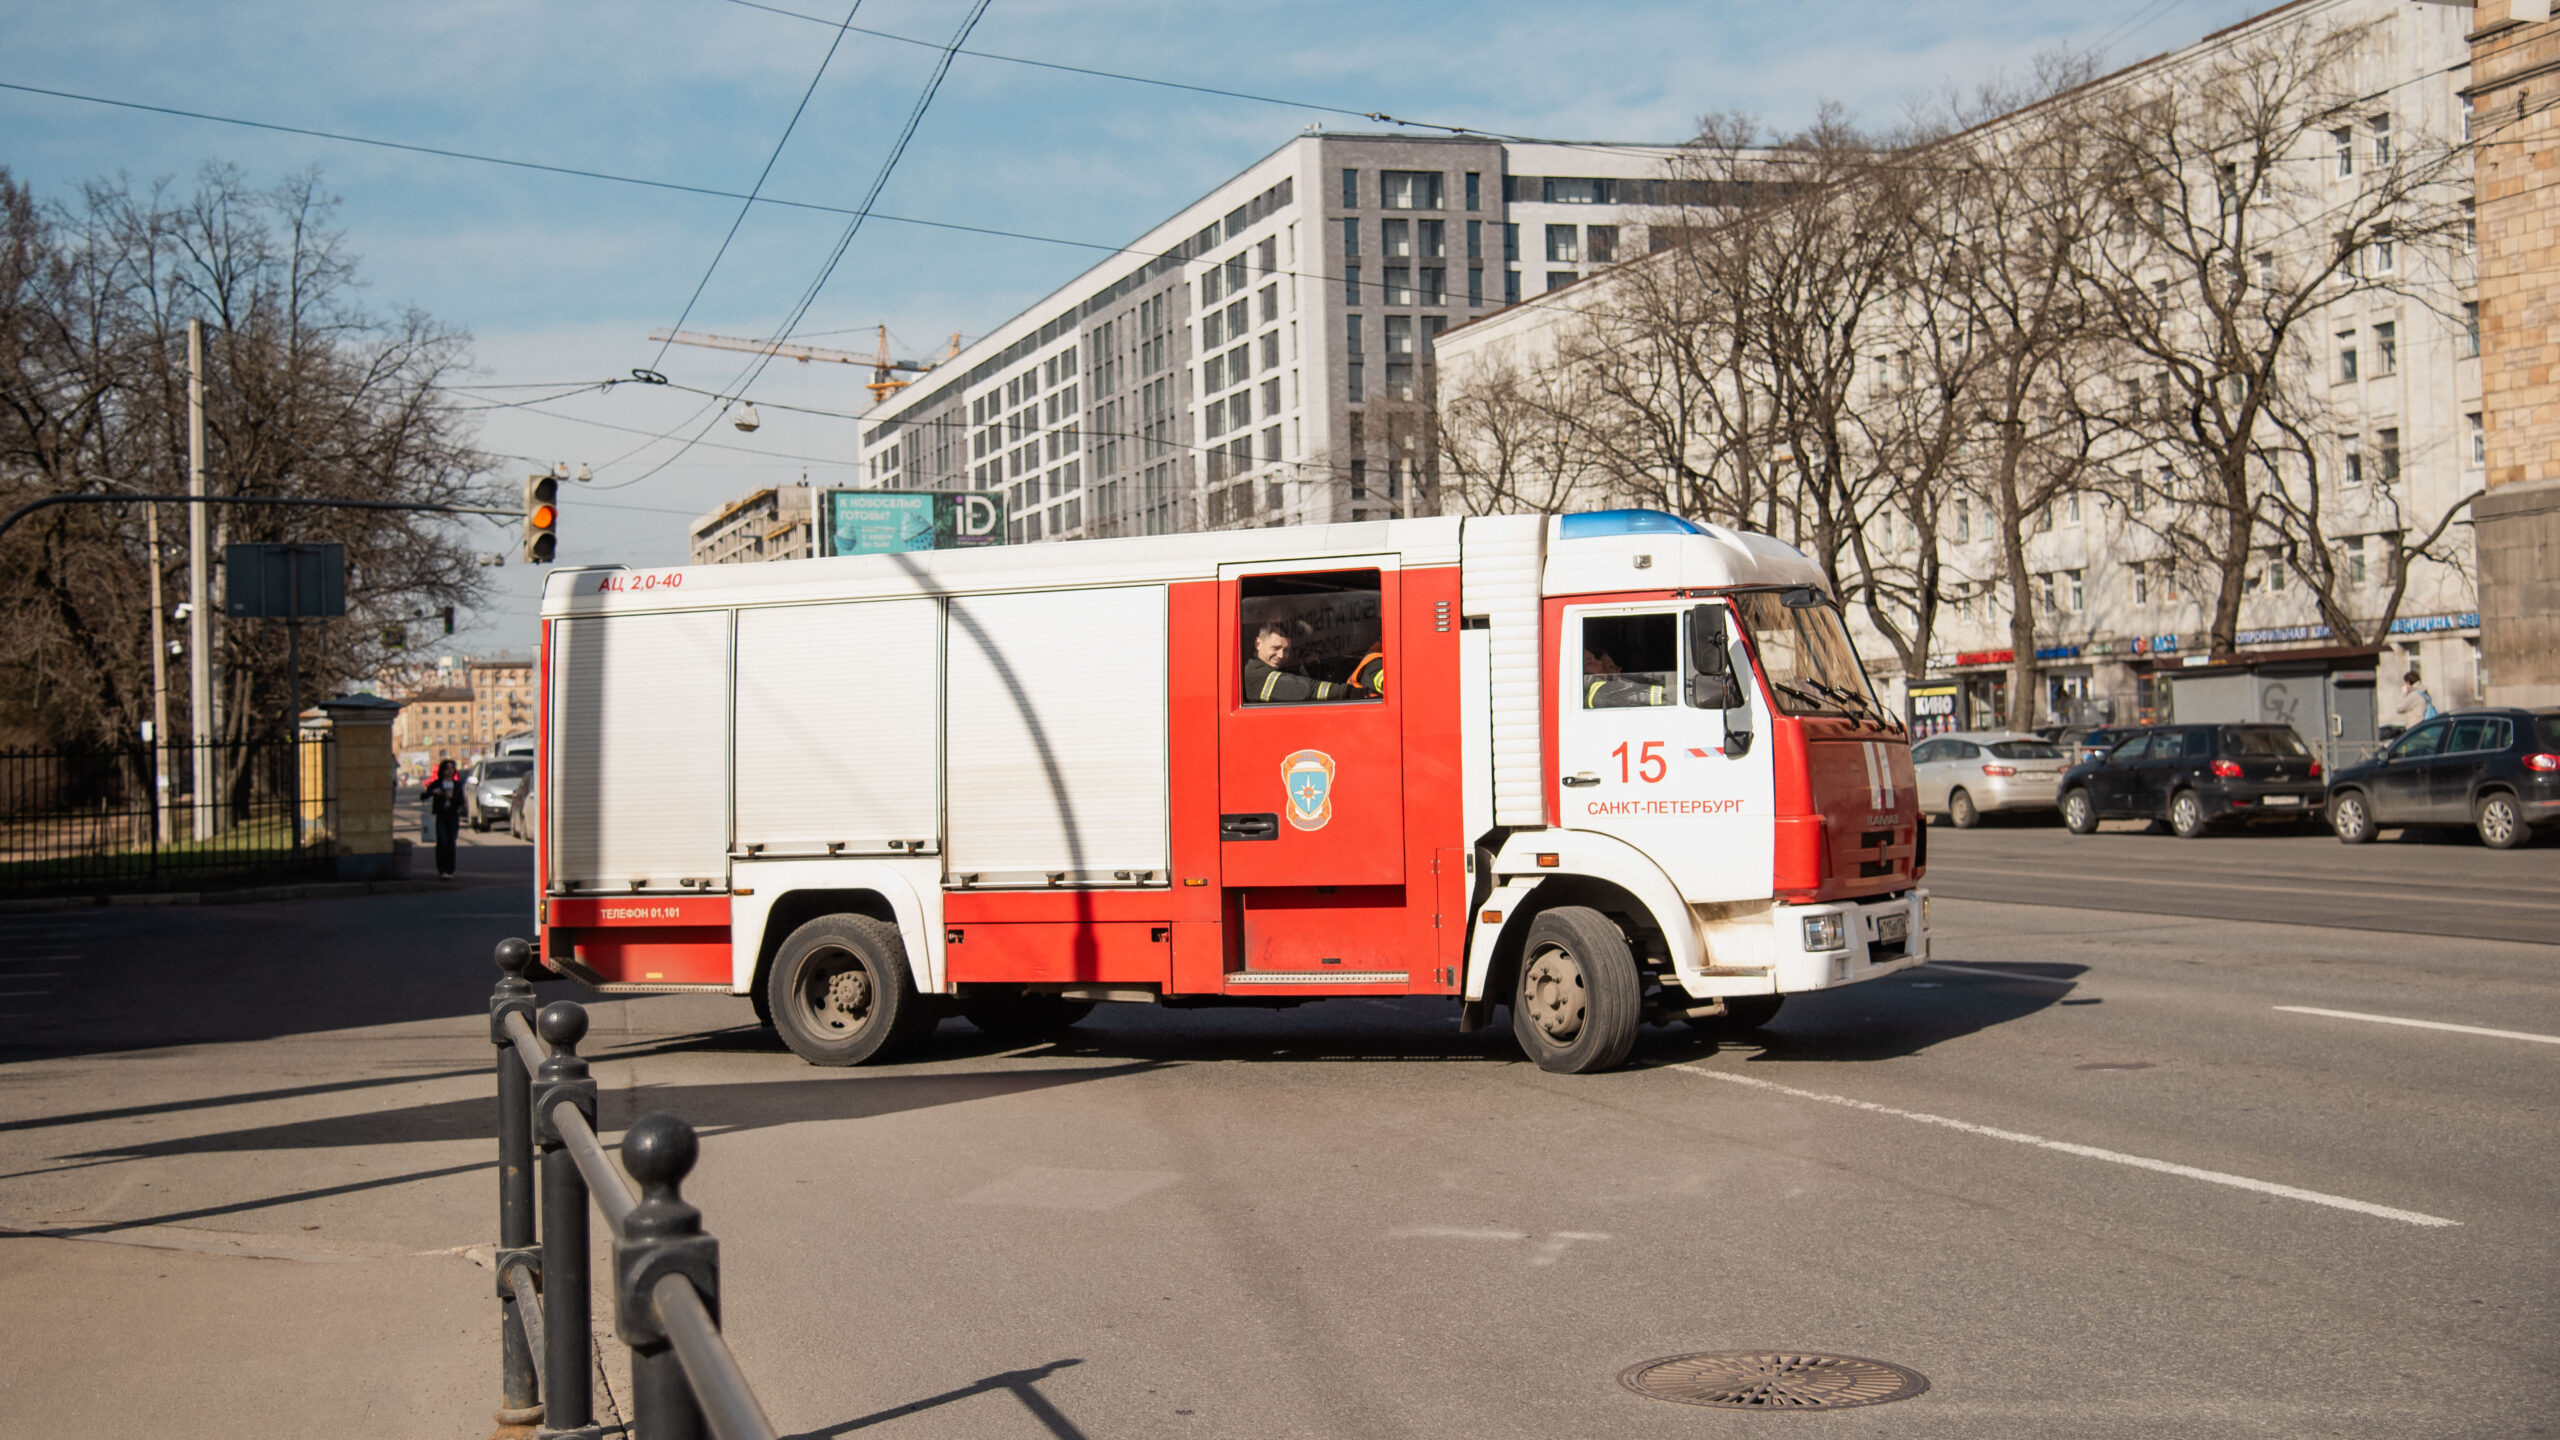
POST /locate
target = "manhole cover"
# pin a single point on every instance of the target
(1772, 1380)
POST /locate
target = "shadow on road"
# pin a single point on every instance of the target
(1018, 1383)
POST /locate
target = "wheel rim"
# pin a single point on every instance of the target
(2497, 822)
(2183, 813)
(2076, 810)
(1552, 992)
(1961, 808)
(2350, 817)
(838, 994)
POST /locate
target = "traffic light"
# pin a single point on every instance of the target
(541, 518)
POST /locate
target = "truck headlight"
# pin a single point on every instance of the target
(1825, 932)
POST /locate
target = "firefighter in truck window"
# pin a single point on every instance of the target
(1629, 661)
(1313, 638)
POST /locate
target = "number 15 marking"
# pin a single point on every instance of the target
(1649, 763)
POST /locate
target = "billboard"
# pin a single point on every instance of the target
(883, 522)
(284, 582)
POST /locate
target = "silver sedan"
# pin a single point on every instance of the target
(1970, 773)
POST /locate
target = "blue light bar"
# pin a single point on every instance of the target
(1626, 522)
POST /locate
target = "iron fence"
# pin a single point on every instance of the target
(124, 818)
(666, 1272)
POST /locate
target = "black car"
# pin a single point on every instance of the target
(2084, 742)
(2193, 776)
(2497, 771)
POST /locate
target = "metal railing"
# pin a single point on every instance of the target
(666, 1272)
(127, 818)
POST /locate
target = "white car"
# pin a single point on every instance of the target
(1970, 773)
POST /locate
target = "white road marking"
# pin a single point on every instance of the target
(2422, 1024)
(2088, 1152)
(1996, 974)
(1549, 1249)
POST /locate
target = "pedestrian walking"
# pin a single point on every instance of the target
(2415, 703)
(443, 801)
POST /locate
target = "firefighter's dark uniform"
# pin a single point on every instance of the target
(1370, 675)
(1263, 685)
(1617, 692)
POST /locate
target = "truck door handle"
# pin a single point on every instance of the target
(1264, 826)
(1585, 778)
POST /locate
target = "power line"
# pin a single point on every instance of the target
(758, 189)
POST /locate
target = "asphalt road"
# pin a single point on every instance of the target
(2092, 1175)
(2411, 882)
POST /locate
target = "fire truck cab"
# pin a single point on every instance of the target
(1601, 769)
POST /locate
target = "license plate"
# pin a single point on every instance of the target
(1890, 928)
(2282, 800)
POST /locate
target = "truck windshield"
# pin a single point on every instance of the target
(1811, 667)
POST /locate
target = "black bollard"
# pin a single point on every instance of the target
(519, 1388)
(661, 1237)
(568, 1381)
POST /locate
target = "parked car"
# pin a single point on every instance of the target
(490, 794)
(2195, 776)
(1965, 773)
(2497, 771)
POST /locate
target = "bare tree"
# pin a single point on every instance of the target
(2250, 195)
(309, 394)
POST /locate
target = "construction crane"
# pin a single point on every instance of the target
(883, 368)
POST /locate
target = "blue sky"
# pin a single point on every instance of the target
(561, 280)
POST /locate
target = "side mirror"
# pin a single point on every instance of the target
(1713, 683)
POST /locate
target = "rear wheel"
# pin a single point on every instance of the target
(2500, 821)
(2186, 814)
(2351, 816)
(1016, 1016)
(840, 992)
(1960, 811)
(2079, 812)
(1579, 999)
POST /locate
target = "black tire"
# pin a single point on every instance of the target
(1961, 812)
(1019, 1017)
(2079, 811)
(2500, 821)
(1743, 1012)
(840, 992)
(2186, 815)
(1578, 999)
(2351, 818)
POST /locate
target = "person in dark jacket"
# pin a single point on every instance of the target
(1266, 682)
(443, 800)
(1605, 687)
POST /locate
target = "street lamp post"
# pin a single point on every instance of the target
(199, 609)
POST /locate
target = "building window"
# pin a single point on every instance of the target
(2344, 139)
(1963, 519)
(1574, 190)
(1271, 402)
(2267, 269)
(1353, 385)
(2352, 467)
(2380, 126)
(2354, 547)
(1558, 279)
(1475, 288)
(1475, 191)
(2479, 440)
(2072, 591)
(1564, 245)
(2346, 356)
(2384, 253)
(1409, 189)
(1399, 336)
(1475, 239)
(2047, 591)
(2141, 585)
(1435, 285)
(1395, 239)
(1600, 244)
(1510, 243)
(1399, 380)
(1398, 286)
(1350, 284)
(2470, 347)
(1271, 350)
(1350, 189)
(2386, 348)
(1350, 237)
(2387, 453)
(1510, 287)
(1351, 334)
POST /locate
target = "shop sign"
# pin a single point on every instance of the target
(1985, 657)
(2427, 624)
(2059, 652)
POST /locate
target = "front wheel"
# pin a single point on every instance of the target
(1960, 811)
(2080, 813)
(2351, 817)
(2186, 815)
(840, 992)
(2500, 821)
(1579, 1000)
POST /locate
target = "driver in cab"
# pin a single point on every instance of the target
(1605, 687)
(1267, 678)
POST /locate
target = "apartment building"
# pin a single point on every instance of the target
(2118, 615)
(457, 708)
(775, 523)
(1257, 358)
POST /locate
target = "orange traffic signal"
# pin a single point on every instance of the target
(541, 519)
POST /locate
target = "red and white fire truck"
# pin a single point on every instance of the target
(1604, 769)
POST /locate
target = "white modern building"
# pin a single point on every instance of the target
(1255, 358)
